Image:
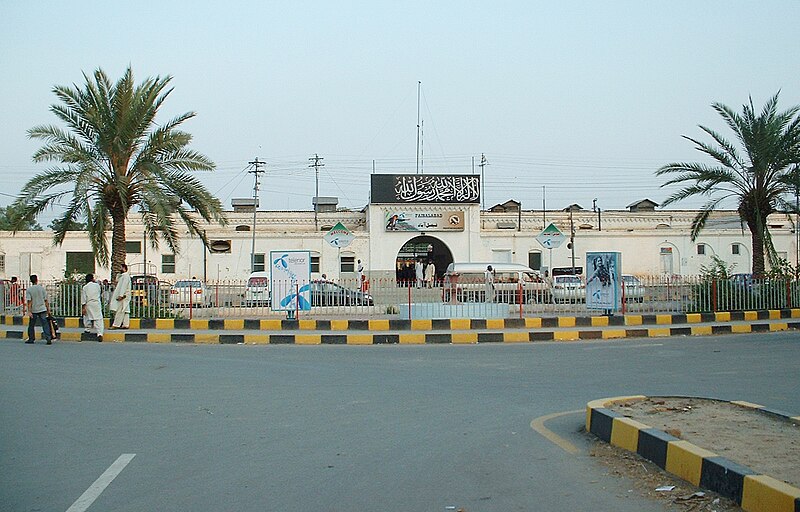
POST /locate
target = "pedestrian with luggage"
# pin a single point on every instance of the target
(38, 310)
(91, 299)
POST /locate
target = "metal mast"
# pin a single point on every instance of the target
(256, 172)
(316, 159)
(419, 85)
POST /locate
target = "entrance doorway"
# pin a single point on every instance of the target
(426, 249)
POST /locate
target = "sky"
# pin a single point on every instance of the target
(570, 102)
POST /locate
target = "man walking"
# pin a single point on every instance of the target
(38, 308)
(488, 278)
(91, 297)
(121, 300)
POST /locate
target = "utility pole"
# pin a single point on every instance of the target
(483, 164)
(572, 239)
(256, 172)
(419, 86)
(316, 165)
(596, 209)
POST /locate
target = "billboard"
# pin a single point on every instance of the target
(290, 280)
(427, 220)
(425, 188)
(604, 280)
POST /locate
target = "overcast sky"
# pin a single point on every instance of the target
(585, 98)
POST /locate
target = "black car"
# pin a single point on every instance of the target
(326, 293)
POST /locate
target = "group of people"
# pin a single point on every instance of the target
(422, 274)
(91, 306)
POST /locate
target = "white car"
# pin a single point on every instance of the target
(633, 288)
(257, 291)
(568, 289)
(189, 292)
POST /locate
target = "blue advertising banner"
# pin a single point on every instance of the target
(604, 280)
(290, 273)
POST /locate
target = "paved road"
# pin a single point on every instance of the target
(343, 428)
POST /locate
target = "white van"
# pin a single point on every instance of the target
(512, 281)
(257, 291)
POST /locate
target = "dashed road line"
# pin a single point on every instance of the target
(99, 485)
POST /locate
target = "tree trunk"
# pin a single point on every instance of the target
(757, 238)
(118, 253)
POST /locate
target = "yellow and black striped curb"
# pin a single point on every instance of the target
(452, 324)
(750, 490)
(411, 336)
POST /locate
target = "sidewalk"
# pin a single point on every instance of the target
(444, 331)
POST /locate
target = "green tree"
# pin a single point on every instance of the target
(760, 177)
(72, 225)
(114, 156)
(13, 219)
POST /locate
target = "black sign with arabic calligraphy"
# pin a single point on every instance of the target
(425, 188)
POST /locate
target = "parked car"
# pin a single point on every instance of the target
(189, 292)
(511, 280)
(144, 290)
(257, 291)
(568, 289)
(633, 289)
(327, 293)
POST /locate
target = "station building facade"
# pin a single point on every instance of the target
(436, 218)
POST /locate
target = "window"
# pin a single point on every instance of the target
(258, 262)
(701, 249)
(347, 264)
(735, 249)
(80, 263)
(167, 263)
(315, 263)
(2, 263)
(133, 247)
(535, 260)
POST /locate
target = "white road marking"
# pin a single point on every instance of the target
(99, 485)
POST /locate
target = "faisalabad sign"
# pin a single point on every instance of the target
(397, 220)
(425, 188)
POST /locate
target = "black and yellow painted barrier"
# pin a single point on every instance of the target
(703, 468)
(458, 330)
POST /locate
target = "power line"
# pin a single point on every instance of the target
(256, 172)
(316, 165)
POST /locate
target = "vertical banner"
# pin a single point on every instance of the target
(290, 280)
(604, 280)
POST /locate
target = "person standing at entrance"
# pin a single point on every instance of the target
(360, 271)
(430, 274)
(121, 300)
(420, 274)
(91, 297)
(488, 278)
(38, 308)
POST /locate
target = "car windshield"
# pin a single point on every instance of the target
(568, 279)
(630, 280)
(188, 284)
(257, 281)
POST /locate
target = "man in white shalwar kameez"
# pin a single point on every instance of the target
(121, 300)
(91, 299)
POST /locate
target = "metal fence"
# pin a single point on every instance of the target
(390, 298)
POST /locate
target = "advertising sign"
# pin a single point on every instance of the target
(604, 280)
(290, 285)
(339, 236)
(425, 188)
(404, 220)
(551, 237)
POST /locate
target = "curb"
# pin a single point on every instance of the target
(411, 336)
(454, 324)
(748, 489)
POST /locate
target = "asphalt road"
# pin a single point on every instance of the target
(345, 428)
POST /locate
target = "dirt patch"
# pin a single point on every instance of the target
(645, 477)
(762, 442)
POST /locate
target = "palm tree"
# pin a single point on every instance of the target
(760, 178)
(114, 156)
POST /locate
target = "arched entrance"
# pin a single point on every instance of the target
(424, 248)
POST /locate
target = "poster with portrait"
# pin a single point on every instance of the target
(604, 280)
(290, 280)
